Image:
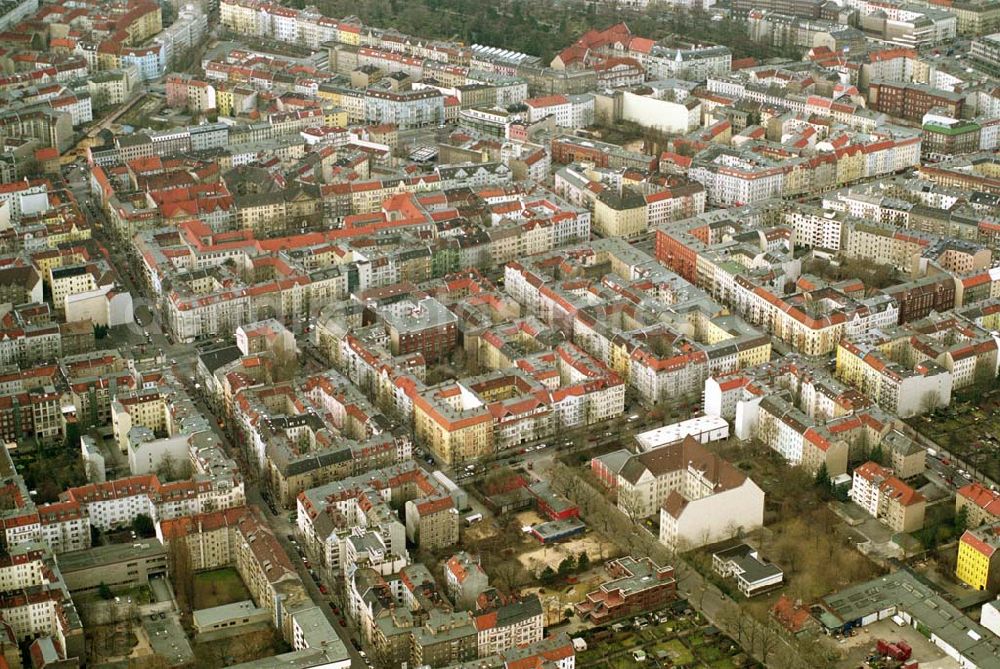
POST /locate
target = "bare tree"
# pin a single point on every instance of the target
(630, 504)
(507, 575)
(181, 572)
(767, 642)
(929, 402)
(699, 592)
(167, 469)
(286, 365)
(731, 619)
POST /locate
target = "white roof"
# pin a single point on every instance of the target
(669, 434)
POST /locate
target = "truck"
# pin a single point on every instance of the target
(899, 651)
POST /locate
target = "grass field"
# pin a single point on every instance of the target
(218, 587)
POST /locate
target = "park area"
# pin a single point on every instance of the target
(813, 547)
(683, 641)
(218, 587)
(969, 430)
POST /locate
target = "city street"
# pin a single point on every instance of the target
(950, 468)
(282, 529)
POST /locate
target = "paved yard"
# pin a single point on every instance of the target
(856, 648)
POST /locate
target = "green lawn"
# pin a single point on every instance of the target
(218, 587)
(625, 662)
(590, 656)
(679, 654)
(683, 641)
(709, 654)
(723, 663)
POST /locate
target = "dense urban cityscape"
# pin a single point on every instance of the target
(496, 334)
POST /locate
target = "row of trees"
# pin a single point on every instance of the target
(543, 28)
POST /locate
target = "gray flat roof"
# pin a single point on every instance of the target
(297, 659)
(218, 614)
(168, 640)
(111, 554)
(904, 591)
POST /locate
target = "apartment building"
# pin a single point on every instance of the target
(975, 17)
(60, 526)
(424, 326)
(406, 618)
(464, 580)
(978, 561)
(794, 434)
(805, 8)
(912, 101)
(982, 505)
(906, 24)
(49, 126)
(453, 423)
(38, 603)
(309, 432)
(620, 214)
(883, 496)
(780, 29)
(945, 137)
(239, 538)
(675, 203)
(510, 624)
(329, 515)
(986, 50)
(569, 149)
(733, 179)
(405, 109)
(569, 111)
(700, 497)
(193, 95)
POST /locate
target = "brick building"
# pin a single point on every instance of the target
(425, 327)
(912, 101)
(636, 585)
(917, 299)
